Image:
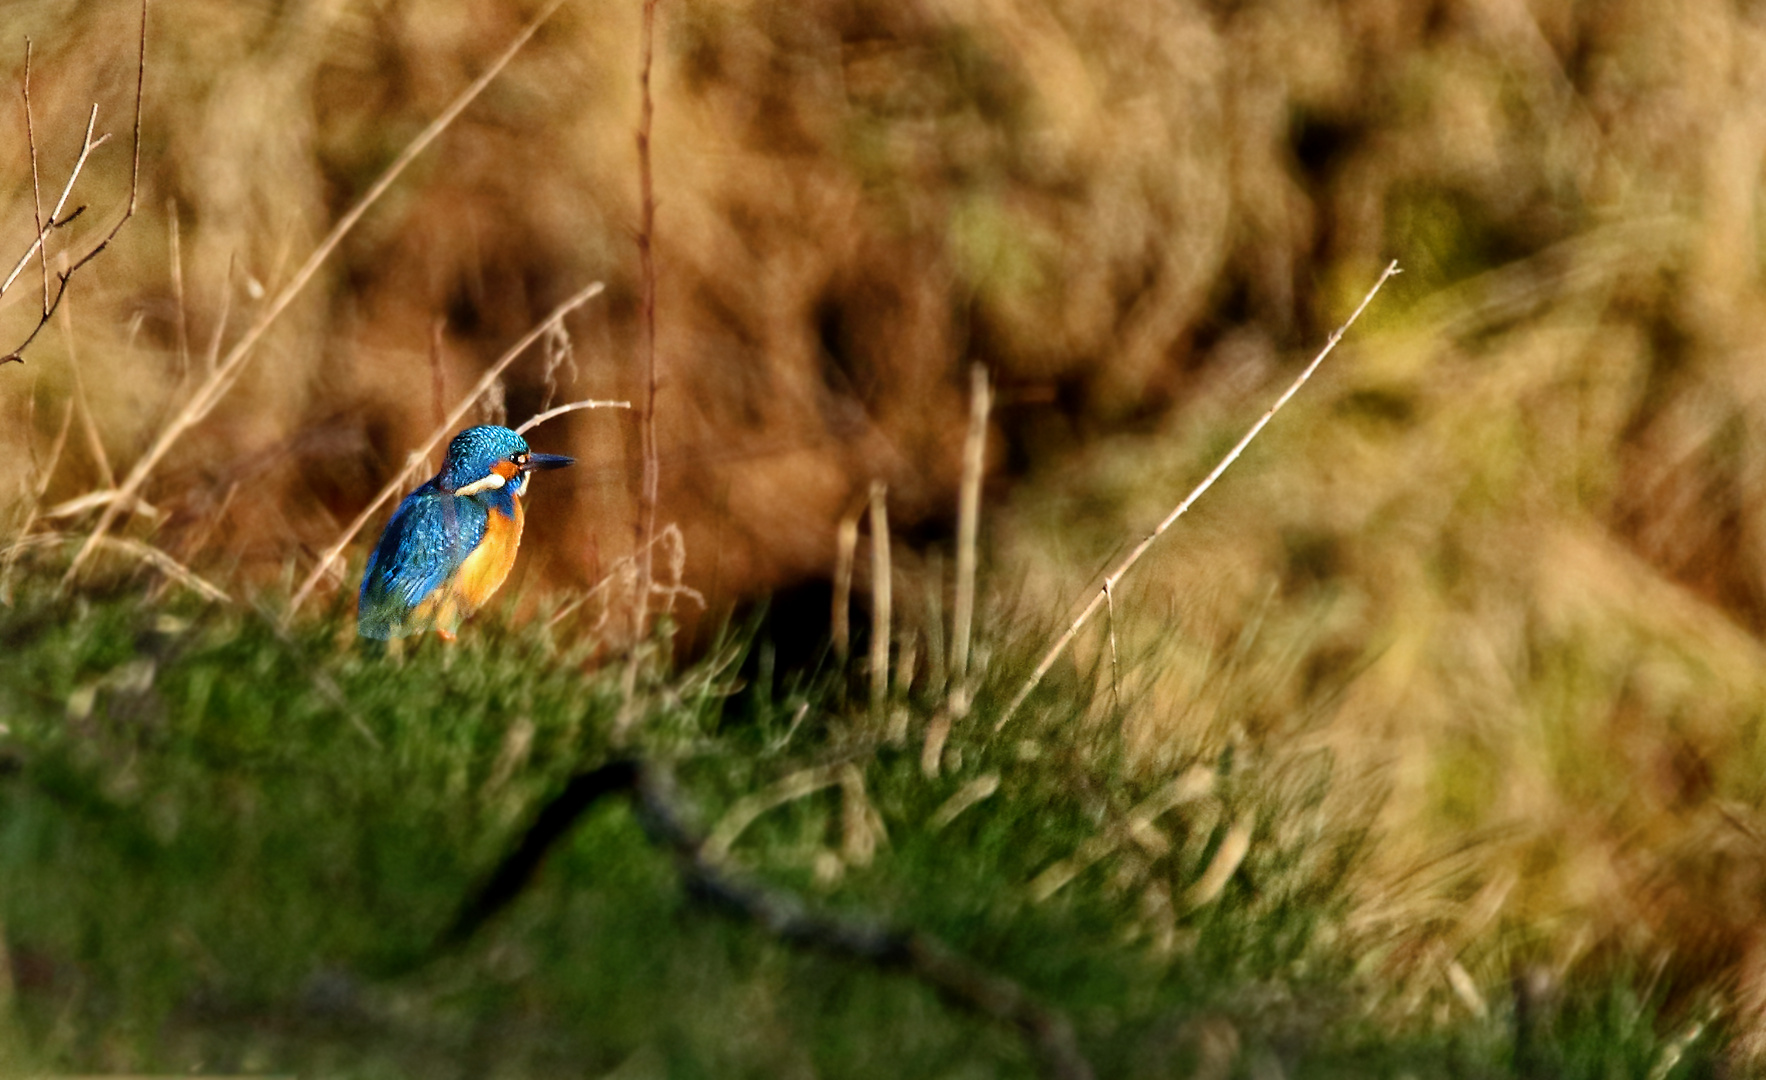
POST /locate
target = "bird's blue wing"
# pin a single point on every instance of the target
(424, 544)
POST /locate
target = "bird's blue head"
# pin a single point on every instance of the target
(486, 458)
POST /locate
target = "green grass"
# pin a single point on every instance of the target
(223, 849)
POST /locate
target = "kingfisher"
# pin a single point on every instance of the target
(451, 542)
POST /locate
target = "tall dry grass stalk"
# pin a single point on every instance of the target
(646, 531)
(1128, 561)
(882, 599)
(937, 653)
(845, 556)
(43, 473)
(968, 533)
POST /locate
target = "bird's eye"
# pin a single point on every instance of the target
(521, 459)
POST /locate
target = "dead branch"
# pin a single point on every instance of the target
(959, 981)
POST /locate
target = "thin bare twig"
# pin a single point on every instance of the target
(55, 220)
(205, 397)
(625, 569)
(1127, 563)
(63, 277)
(36, 181)
(420, 456)
(647, 304)
(575, 406)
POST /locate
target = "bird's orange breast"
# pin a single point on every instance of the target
(485, 569)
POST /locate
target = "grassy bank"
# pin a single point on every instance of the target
(224, 849)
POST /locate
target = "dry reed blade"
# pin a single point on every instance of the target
(1115, 664)
(92, 500)
(861, 827)
(33, 509)
(968, 530)
(168, 566)
(932, 750)
(206, 396)
(420, 456)
(738, 817)
(881, 595)
(907, 659)
(88, 423)
(1234, 846)
(213, 354)
(845, 554)
(971, 793)
(181, 326)
(1128, 561)
(55, 449)
(937, 658)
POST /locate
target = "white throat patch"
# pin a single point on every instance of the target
(489, 483)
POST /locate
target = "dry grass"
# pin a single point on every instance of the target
(1513, 545)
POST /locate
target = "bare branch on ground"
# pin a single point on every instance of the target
(1046, 1031)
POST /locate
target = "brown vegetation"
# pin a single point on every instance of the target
(1528, 514)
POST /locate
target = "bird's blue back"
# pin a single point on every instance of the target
(438, 526)
(427, 539)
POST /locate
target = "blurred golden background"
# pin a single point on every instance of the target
(1511, 544)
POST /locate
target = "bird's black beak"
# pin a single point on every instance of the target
(536, 462)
